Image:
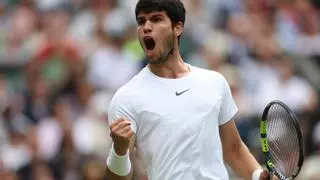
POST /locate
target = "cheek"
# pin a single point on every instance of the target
(166, 37)
(139, 32)
(169, 39)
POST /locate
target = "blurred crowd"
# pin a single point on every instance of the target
(62, 60)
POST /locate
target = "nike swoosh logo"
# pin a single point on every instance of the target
(179, 93)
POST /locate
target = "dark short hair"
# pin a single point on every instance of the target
(174, 9)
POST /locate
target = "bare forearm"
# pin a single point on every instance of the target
(242, 161)
(139, 170)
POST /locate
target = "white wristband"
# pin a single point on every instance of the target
(119, 165)
(256, 174)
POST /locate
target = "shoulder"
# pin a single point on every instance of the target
(209, 75)
(124, 93)
(130, 90)
(212, 80)
(300, 83)
(299, 80)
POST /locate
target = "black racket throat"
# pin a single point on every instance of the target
(281, 141)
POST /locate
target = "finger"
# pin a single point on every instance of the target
(124, 130)
(121, 125)
(265, 174)
(125, 134)
(115, 130)
(116, 122)
(129, 134)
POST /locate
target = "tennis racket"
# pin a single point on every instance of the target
(281, 141)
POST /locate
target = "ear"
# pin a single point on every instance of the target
(178, 29)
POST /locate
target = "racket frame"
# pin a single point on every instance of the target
(264, 141)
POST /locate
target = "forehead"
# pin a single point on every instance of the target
(150, 14)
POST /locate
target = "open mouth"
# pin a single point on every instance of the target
(149, 43)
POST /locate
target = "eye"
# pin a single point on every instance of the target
(141, 21)
(157, 19)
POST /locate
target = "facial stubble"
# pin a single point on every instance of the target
(164, 56)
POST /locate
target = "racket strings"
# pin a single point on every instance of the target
(283, 140)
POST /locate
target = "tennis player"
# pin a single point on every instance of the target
(177, 116)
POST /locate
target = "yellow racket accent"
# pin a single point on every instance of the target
(270, 164)
(264, 145)
(263, 127)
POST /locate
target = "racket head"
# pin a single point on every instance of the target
(265, 146)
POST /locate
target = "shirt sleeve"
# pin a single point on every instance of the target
(228, 107)
(120, 107)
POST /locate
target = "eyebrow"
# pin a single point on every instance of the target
(140, 17)
(155, 14)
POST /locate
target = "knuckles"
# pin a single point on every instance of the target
(120, 130)
(119, 135)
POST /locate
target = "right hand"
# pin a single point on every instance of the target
(121, 135)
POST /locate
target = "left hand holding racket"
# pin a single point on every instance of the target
(264, 175)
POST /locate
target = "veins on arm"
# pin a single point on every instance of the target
(138, 169)
(132, 145)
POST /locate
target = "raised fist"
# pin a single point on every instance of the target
(121, 135)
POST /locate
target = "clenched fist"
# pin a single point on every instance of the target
(121, 135)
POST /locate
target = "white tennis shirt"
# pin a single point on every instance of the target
(176, 122)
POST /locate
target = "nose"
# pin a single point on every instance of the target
(147, 28)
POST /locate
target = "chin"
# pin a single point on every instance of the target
(156, 58)
(156, 61)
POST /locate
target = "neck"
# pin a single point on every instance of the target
(172, 68)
